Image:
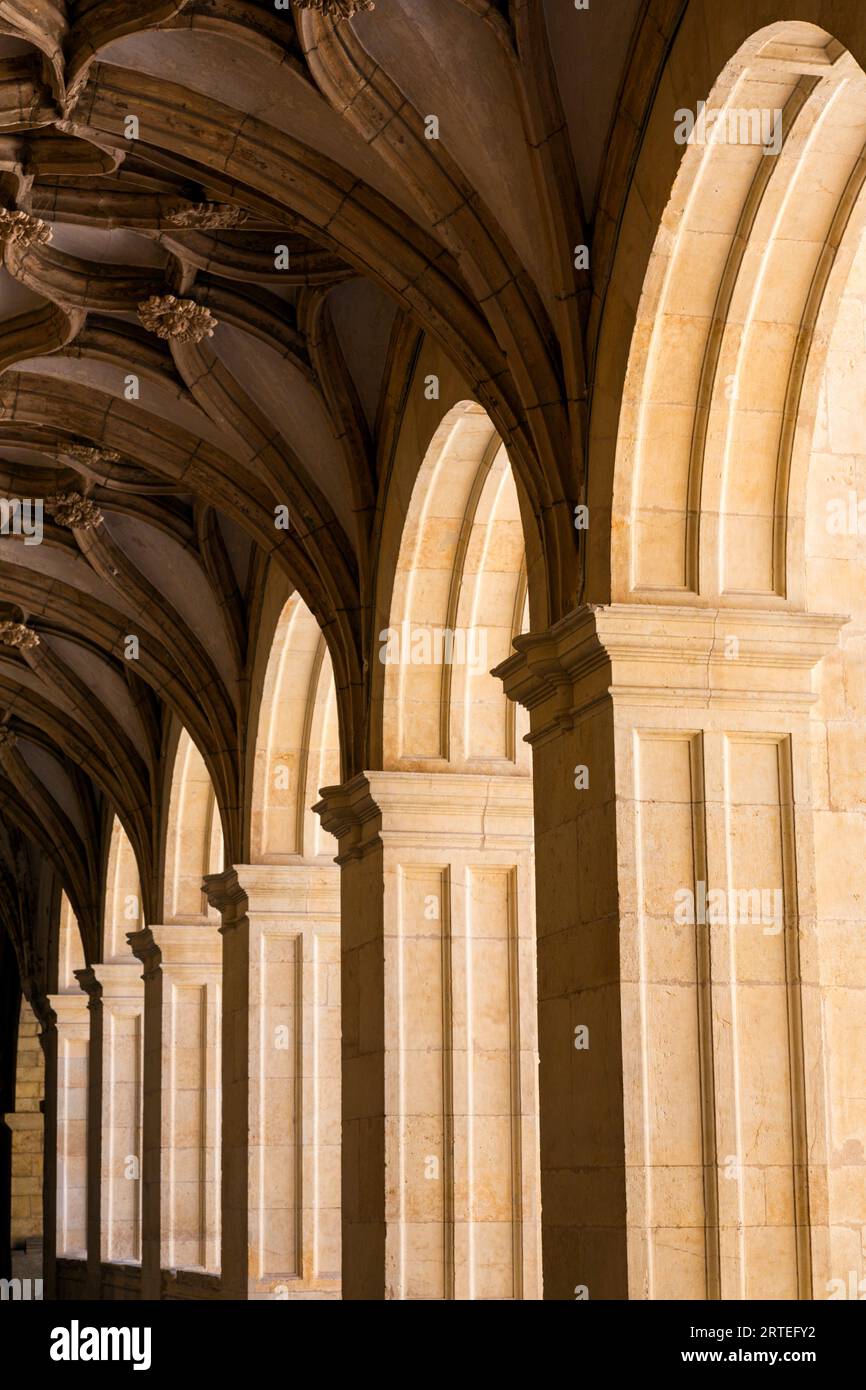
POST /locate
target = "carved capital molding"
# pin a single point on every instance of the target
(181, 319)
(283, 894)
(72, 510)
(91, 456)
(191, 952)
(69, 1014)
(111, 982)
(207, 215)
(18, 635)
(8, 739)
(403, 809)
(686, 657)
(336, 9)
(19, 228)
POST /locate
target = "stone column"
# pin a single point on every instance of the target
(181, 1112)
(281, 1079)
(116, 994)
(66, 1044)
(48, 1043)
(440, 1188)
(682, 1112)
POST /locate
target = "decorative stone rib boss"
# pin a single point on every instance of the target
(180, 319)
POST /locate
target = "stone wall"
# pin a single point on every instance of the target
(26, 1125)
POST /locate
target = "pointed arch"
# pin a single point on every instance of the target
(70, 949)
(194, 838)
(702, 479)
(124, 911)
(459, 596)
(297, 742)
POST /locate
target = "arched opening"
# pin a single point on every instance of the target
(194, 840)
(459, 599)
(726, 326)
(123, 906)
(182, 1161)
(297, 742)
(70, 948)
(116, 994)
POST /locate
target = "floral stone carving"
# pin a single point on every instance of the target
(180, 319)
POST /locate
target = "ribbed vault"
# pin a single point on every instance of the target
(232, 260)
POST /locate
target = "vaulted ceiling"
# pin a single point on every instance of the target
(227, 235)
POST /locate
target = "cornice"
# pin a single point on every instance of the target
(190, 948)
(278, 892)
(663, 654)
(112, 980)
(68, 1011)
(451, 810)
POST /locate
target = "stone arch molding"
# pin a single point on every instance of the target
(194, 843)
(123, 903)
(70, 952)
(743, 280)
(297, 743)
(458, 598)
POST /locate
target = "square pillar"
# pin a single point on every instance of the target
(26, 1126)
(181, 1110)
(66, 1044)
(440, 1182)
(48, 1043)
(116, 994)
(281, 1079)
(683, 1145)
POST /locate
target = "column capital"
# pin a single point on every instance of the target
(225, 893)
(69, 1010)
(456, 810)
(23, 1121)
(112, 980)
(349, 811)
(182, 947)
(666, 654)
(301, 889)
